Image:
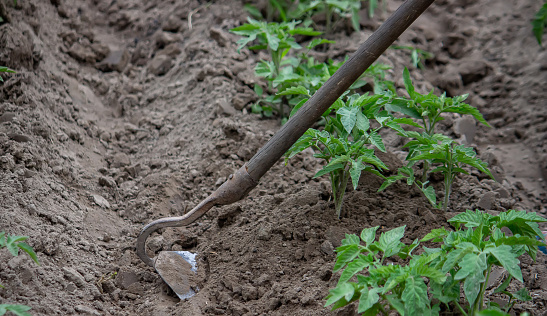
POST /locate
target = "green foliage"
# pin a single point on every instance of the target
(464, 259)
(5, 69)
(18, 310)
(416, 55)
(14, 244)
(348, 141)
(431, 148)
(539, 22)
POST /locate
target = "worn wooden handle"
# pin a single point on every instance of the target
(342, 79)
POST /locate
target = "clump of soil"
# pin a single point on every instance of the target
(122, 112)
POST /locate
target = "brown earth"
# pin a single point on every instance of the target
(123, 112)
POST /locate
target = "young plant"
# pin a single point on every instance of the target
(281, 7)
(438, 150)
(14, 244)
(427, 110)
(348, 141)
(465, 258)
(278, 39)
(6, 70)
(334, 11)
(416, 55)
(539, 22)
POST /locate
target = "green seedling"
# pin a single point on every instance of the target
(6, 70)
(416, 55)
(539, 22)
(276, 38)
(381, 285)
(334, 10)
(438, 150)
(283, 8)
(14, 244)
(348, 141)
(427, 109)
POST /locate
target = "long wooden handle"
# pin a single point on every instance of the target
(342, 79)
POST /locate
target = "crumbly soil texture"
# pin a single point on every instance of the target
(123, 112)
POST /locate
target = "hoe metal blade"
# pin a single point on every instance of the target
(178, 269)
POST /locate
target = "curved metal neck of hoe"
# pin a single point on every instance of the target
(233, 190)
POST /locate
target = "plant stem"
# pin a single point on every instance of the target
(328, 17)
(480, 299)
(460, 308)
(341, 189)
(383, 310)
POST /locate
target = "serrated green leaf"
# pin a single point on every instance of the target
(341, 291)
(538, 23)
(454, 257)
(367, 299)
(491, 312)
(11, 243)
(18, 310)
(472, 270)
(408, 83)
(329, 168)
(298, 90)
(355, 173)
(507, 259)
(415, 296)
(429, 193)
(390, 241)
(348, 117)
(350, 253)
(353, 267)
(435, 234)
(394, 301)
(446, 292)
(369, 234)
(318, 41)
(376, 140)
(361, 122)
(522, 295)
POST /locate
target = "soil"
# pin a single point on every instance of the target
(123, 112)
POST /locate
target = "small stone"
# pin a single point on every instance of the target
(82, 53)
(125, 278)
(503, 193)
(327, 247)
(263, 233)
(472, 70)
(120, 160)
(100, 50)
(487, 200)
(82, 309)
(171, 50)
(156, 243)
(240, 100)
(7, 117)
(19, 138)
(117, 60)
(173, 24)
(107, 182)
(225, 108)
(163, 39)
(74, 276)
(219, 36)
(249, 293)
(100, 201)
(466, 127)
(160, 65)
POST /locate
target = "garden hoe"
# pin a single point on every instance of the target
(177, 268)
